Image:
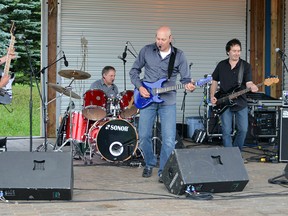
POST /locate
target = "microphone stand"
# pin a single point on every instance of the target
(44, 105)
(30, 100)
(131, 53)
(124, 67)
(183, 106)
(285, 66)
(123, 58)
(183, 113)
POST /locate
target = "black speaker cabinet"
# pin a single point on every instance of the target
(36, 175)
(283, 144)
(207, 169)
(286, 171)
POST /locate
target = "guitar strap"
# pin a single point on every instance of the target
(240, 74)
(171, 62)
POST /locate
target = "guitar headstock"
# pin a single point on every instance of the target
(271, 80)
(13, 28)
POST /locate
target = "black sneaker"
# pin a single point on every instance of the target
(147, 172)
(160, 180)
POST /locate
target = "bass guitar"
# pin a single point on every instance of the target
(6, 92)
(227, 100)
(156, 88)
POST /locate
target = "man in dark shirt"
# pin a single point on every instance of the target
(227, 73)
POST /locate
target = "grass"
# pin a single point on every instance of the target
(17, 123)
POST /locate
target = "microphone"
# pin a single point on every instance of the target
(65, 60)
(190, 65)
(124, 54)
(123, 59)
(278, 50)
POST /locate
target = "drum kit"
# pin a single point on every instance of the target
(104, 125)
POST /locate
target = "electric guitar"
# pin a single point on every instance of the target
(6, 92)
(226, 100)
(156, 88)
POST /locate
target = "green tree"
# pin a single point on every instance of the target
(27, 17)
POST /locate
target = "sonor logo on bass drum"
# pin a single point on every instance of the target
(117, 128)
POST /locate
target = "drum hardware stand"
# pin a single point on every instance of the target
(75, 149)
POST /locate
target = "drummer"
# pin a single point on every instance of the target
(106, 83)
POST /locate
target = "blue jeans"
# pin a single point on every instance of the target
(167, 115)
(241, 121)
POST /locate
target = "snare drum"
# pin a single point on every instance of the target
(115, 139)
(94, 107)
(127, 107)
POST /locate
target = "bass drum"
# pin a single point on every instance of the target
(115, 139)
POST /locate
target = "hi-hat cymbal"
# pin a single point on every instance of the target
(76, 74)
(65, 91)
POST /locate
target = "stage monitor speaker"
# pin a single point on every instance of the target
(36, 175)
(207, 169)
(283, 144)
(286, 171)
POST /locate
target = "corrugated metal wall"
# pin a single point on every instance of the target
(285, 80)
(200, 28)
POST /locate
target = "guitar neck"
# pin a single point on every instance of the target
(169, 88)
(8, 57)
(237, 94)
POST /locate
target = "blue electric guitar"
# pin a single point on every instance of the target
(6, 92)
(156, 88)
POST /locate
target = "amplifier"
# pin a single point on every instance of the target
(285, 98)
(283, 144)
(265, 123)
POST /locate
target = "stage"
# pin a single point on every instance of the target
(110, 188)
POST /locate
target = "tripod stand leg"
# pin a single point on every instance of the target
(43, 147)
(60, 147)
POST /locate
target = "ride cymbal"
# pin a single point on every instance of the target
(76, 74)
(65, 91)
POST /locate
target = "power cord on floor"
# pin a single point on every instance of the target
(191, 193)
(278, 180)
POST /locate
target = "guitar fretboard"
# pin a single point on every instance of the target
(8, 57)
(169, 88)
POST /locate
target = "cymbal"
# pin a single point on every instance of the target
(76, 74)
(64, 91)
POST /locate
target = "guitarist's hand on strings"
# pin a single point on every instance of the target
(4, 58)
(4, 80)
(144, 92)
(254, 88)
(190, 86)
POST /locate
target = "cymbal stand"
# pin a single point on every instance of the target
(71, 140)
(69, 88)
(74, 148)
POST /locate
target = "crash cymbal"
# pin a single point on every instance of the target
(76, 74)
(65, 91)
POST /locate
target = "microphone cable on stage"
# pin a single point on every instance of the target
(191, 193)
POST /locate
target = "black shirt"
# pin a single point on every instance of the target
(228, 79)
